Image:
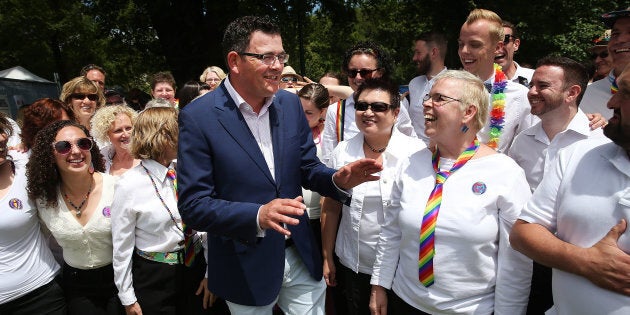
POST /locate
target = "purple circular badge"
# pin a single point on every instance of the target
(15, 204)
(478, 188)
(107, 212)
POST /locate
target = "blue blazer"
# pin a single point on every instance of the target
(223, 180)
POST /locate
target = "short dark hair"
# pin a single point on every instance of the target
(238, 33)
(164, 76)
(574, 72)
(434, 39)
(383, 85)
(315, 93)
(369, 48)
(92, 66)
(515, 31)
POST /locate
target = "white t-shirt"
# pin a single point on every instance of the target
(26, 263)
(580, 199)
(476, 271)
(596, 97)
(533, 151)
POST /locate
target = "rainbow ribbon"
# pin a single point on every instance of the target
(429, 219)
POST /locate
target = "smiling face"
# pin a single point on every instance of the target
(443, 120)
(619, 44)
(618, 128)
(547, 91)
(120, 132)
(476, 49)
(603, 64)
(422, 57)
(313, 114)
(375, 124)
(505, 57)
(76, 160)
(82, 106)
(165, 91)
(251, 78)
(362, 62)
(213, 80)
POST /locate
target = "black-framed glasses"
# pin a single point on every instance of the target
(603, 55)
(82, 96)
(288, 79)
(352, 73)
(268, 59)
(507, 37)
(64, 146)
(376, 107)
(439, 99)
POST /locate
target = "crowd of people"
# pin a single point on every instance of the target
(490, 189)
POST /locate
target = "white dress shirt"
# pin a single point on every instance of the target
(140, 220)
(597, 95)
(580, 199)
(535, 153)
(350, 129)
(84, 247)
(476, 270)
(26, 262)
(526, 73)
(361, 221)
(517, 116)
(418, 88)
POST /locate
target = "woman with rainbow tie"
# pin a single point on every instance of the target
(444, 247)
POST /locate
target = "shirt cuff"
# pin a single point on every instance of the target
(344, 195)
(259, 231)
(128, 297)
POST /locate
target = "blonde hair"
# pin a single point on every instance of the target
(473, 93)
(104, 118)
(218, 71)
(496, 24)
(81, 84)
(154, 131)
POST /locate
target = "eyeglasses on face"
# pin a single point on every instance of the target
(288, 79)
(439, 99)
(507, 38)
(268, 59)
(213, 80)
(376, 107)
(64, 147)
(603, 55)
(363, 72)
(82, 96)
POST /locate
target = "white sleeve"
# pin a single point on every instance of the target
(404, 123)
(123, 220)
(329, 138)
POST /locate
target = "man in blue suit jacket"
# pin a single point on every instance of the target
(245, 151)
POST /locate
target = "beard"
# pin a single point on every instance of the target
(424, 65)
(618, 133)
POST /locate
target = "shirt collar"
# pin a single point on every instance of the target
(156, 169)
(240, 101)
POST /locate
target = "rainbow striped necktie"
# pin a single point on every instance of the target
(189, 248)
(427, 230)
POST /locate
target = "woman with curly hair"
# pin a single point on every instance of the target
(152, 271)
(112, 126)
(28, 268)
(73, 202)
(83, 97)
(38, 115)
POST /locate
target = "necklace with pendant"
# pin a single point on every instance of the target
(381, 150)
(77, 209)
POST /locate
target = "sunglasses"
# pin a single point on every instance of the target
(288, 79)
(363, 72)
(507, 37)
(603, 54)
(81, 96)
(376, 107)
(64, 146)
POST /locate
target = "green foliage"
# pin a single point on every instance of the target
(134, 38)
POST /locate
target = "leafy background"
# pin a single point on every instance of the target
(132, 39)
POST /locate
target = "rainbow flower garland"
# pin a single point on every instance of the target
(497, 115)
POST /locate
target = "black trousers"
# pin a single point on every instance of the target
(356, 290)
(91, 291)
(540, 296)
(397, 306)
(47, 299)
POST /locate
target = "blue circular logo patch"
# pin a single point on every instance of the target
(479, 188)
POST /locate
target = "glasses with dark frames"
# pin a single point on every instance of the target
(507, 38)
(438, 99)
(352, 73)
(82, 96)
(288, 79)
(64, 147)
(603, 55)
(268, 59)
(376, 107)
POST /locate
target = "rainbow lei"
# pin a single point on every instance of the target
(497, 114)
